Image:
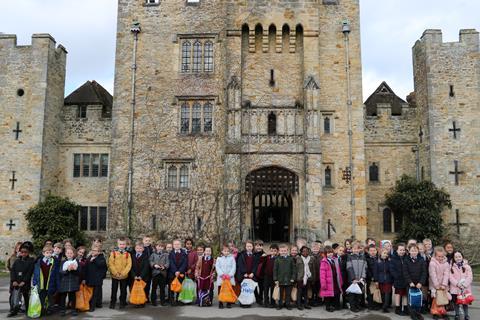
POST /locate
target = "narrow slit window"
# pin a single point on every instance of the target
(328, 177)
(452, 91)
(272, 124)
(326, 125)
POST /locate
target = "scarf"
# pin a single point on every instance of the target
(306, 269)
(459, 264)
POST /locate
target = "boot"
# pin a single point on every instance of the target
(112, 305)
(398, 310)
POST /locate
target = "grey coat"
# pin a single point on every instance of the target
(356, 267)
(162, 260)
(69, 280)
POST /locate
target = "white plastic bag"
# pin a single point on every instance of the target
(354, 288)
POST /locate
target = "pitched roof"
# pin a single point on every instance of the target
(91, 93)
(384, 94)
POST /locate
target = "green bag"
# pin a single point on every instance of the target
(34, 304)
(189, 292)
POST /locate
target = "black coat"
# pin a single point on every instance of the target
(140, 267)
(415, 271)
(371, 267)
(173, 266)
(22, 270)
(95, 270)
(396, 267)
(342, 261)
(242, 266)
(383, 271)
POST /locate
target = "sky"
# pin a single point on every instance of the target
(389, 29)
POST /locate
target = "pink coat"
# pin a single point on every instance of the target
(439, 273)
(327, 288)
(457, 274)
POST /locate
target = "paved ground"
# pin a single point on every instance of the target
(213, 313)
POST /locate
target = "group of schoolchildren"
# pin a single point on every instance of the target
(307, 276)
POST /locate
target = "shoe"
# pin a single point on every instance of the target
(300, 307)
(154, 303)
(122, 306)
(419, 316)
(289, 307)
(12, 314)
(354, 309)
(220, 305)
(279, 307)
(308, 307)
(229, 306)
(385, 310)
(91, 309)
(112, 305)
(63, 313)
(74, 313)
(99, 306)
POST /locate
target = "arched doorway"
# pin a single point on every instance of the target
(271, 191)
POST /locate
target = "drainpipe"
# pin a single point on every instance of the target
(135, 30)
(346, 33)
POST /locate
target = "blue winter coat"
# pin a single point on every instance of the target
(396, 267)
(54, 279)
(383, 271)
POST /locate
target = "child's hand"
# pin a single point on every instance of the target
(419, 286)
(412, 284)
(15, 284)
(21, 284)
(177, 274)
(277, 283)
(250, 275)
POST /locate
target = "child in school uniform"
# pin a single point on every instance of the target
(204, 274)
(357, 271)
(266, 276)
(438, 271)
(140, 267)
(119, 264)
(342, 262)
(21, 276)
(304, 269)
(383, 274)
(69, 281)
(331, 280)
(399, 283)
(284, 275)
(371, 257)
(82, 262)
(178, 262)
(247, 265)
(415, 273)
(159, 264)
(95, 272)
(460, 278)
(316, 255)
(45, 278)
(148, 249)
(260, 255)
(225, 267)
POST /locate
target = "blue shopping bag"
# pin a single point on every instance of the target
(415, 298)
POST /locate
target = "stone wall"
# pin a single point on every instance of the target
(447, 77)
(388, 143)
(39, 70)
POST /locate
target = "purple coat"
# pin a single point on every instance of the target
(327, 285)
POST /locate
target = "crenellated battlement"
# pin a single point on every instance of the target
(39, 42)
(467, 37)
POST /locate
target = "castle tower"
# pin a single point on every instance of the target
(447, 89)
(240, 122)
(31, 94)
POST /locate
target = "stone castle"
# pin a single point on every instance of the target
(237, 119)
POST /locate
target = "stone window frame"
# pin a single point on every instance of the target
(331, 166)
(206, 108)
(178, 165)
(391, 218)
(396, 220)
(79, 165)
(87, 211)
(331, 117)
(370, 165)
(206, 64)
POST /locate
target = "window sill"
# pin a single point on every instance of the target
(151, 4)
(328, 188)
(373, 182)
(196, 135)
